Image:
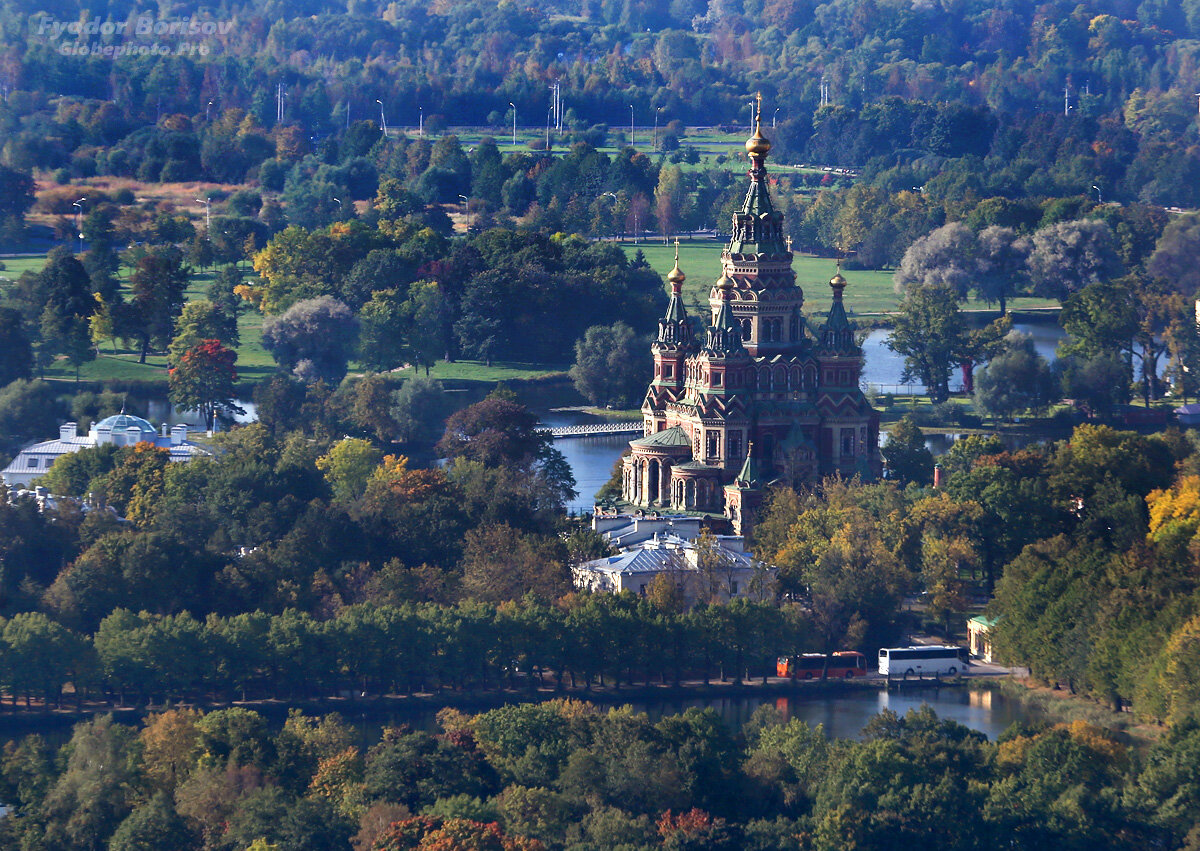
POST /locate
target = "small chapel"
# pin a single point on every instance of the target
(760, 396)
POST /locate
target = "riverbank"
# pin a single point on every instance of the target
(21, 720)
(1059, 706)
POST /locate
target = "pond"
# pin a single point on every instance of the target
(884, 368)
(842, 713)
(162, 411)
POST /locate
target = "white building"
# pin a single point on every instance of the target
(624, 531)
(32, 462)
(732, 574)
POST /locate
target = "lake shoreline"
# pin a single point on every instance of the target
(22, 721)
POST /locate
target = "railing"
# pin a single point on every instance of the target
(909, 389)
(591, 429)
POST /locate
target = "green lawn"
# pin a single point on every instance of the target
(869, 292)
(466, 370)
(14, 266)
(253, 363)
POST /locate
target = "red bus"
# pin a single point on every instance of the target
(843, 664)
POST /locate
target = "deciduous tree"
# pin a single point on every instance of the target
(157, 296)
(611, 365)
(205, 380)
(313, 338)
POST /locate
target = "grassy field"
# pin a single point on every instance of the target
(466, 370)
(869, 292)
(254, 362)
(14, 266)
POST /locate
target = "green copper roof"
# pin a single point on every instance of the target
(758, 199)
(675, 311)
(724, 335)
(837, 333)
(757, 226)
(697, 465)
(674, 436)
(752, 475)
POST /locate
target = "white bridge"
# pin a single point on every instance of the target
(593, 429)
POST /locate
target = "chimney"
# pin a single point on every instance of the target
(939, 476)
(179, 434)
(164, 429)
(67, 431)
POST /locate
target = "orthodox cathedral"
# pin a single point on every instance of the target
(760, 396)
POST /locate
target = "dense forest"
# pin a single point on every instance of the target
(567, 775)
(1017, 103)
(233, 577)
(296, 564)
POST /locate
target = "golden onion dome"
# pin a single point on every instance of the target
(758, 145)
(837, 280)
(676, 276)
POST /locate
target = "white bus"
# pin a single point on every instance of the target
(922, 660)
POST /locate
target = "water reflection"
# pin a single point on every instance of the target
(162, 411)
(842, 715)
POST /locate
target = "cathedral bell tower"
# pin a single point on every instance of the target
(758, 259)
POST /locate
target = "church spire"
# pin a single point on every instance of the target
(757, 226)
(674, 329)
(724, 335)
(758, 146)
(675, 277)
(837, 333)
(752, 475)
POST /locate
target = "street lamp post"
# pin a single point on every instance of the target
(382, 118)
(657, 110)
(207, 107)
(612, 195)
(421, 122)
(1099, 197)
(467, 206)
(632, 141)
(774, 118)
(207, 205)
(79, 220)
(338, 201)
(514, 109)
